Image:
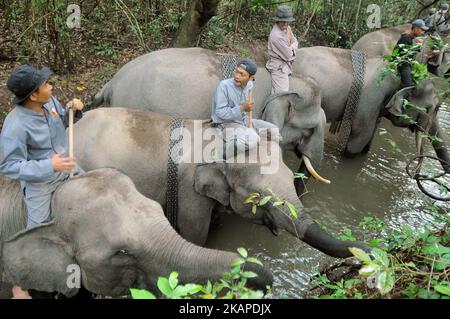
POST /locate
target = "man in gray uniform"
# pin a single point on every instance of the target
(440, 20)
(34, 145)
(282, 45)
(229, 110)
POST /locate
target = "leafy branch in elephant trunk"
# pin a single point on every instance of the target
(404, 264)
(231, 285)
(405, 54)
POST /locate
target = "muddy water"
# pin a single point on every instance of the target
(375, 184)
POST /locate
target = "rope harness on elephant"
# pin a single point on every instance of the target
(229, 63)
(175, 146)
(344, 127)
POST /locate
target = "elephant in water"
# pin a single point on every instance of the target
(118, 238)
(181, 82)
(136, 142)
(335, 79)
(382, 42)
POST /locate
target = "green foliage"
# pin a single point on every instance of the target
(405, 54)
(232, 284)
(257, 200)
(402, 264)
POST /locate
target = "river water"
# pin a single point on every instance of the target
(375, 184)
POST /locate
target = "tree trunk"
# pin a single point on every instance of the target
(198, 15)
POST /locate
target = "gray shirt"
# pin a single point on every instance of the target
(281, 56)
(29, 140)
(228, 98)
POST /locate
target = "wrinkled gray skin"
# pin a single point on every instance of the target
(382, 42)
(119, 238)
(136, 142)
(332, 70)
(181, 82)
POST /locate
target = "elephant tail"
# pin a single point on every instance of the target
(100, 98)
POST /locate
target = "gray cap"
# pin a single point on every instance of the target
(284, 13)
(419, 23)
(444, 7)
(248, 65)
(24, 80)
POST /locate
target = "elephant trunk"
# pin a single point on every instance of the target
(195, 264)
(311, 233)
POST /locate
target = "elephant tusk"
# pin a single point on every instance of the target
(313, 172)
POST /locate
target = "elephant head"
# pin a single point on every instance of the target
(301, 121)
(231, 183)
(117, 239)
(413, 107)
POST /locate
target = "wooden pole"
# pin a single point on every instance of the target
(71, 136)
(250, 114)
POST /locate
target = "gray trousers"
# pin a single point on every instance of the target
(38, 199)
(242, 137)
(280, 81)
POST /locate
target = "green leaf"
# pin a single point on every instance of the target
(265, 200)
(249, 274)
(254, 209)
(255, 261)
(360, 254)
(141, 294)
(250, 198)
(444, 290)
(380, 256)
(189, 289)
(443, 262)
(369, 269)
(164, 286)
(173, 280)
(292, 210)
(237, 262)
(385, 282)
(278, 203)
(243, 252)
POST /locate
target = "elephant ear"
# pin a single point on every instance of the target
(210, 181)
(37, 258)
(395, 105)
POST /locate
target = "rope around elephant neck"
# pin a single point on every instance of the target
(229, 63)
(175, 146)
(344, 127)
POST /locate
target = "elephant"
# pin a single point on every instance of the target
(103, 134)
(157, 83)
(376, 99)
(180, 82)
(382, 42)
(118, 238)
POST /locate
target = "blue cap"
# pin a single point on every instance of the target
(24, 80)
(248, 65)
(419, 23)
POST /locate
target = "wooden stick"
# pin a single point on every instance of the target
(71, 136)
(250, 114)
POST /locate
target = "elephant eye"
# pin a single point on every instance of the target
(122, 252)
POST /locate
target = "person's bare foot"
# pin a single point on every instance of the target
(18, 293)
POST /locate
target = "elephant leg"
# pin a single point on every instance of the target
(361, 137)
(439, 145)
